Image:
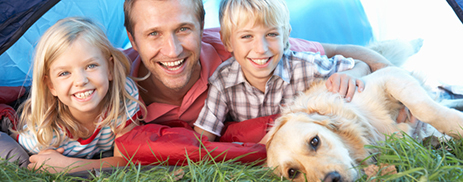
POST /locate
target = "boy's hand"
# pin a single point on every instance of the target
(344, 84)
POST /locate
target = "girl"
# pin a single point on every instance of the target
(81, 99)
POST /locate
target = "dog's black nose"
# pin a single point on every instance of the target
(333, 177)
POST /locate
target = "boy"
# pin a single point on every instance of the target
(263, 73)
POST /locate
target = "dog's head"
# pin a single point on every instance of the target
(318, 145)
(319, 137)
(305, 146)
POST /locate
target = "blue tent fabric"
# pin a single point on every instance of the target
(330, 21)
(15, 63)
(457, 8)
(327, 21)
(17, 17)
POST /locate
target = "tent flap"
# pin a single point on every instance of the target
(17, 17)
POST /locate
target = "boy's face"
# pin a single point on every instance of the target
(258, 49)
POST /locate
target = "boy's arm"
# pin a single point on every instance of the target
(210, 137)
(212, 115)
(372, 58)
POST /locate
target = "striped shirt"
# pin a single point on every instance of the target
(232, 98)
(101, 140)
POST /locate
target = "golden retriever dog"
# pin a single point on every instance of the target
(321, 137)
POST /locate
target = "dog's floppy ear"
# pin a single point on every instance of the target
(279, 122)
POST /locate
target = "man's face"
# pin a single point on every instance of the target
(167, 35)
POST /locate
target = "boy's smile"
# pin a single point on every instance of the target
(258, 49)
(260, 63)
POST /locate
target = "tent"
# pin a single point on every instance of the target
(330, 21)
(21, 26)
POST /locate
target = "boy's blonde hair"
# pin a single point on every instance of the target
(235, 14)
(45, 114)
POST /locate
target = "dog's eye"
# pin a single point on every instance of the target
(293, 173)
(315, 142)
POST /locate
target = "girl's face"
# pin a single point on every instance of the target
(80, 78)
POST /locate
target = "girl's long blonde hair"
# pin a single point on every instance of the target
(45, 115)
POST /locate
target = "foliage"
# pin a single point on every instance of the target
(412, 160)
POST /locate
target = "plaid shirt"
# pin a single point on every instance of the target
(231, 97)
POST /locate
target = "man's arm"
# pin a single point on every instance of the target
(372, 58)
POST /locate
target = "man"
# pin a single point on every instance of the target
(176, 56)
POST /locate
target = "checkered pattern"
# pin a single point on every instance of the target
(232, 98)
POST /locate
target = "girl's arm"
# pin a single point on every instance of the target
(54, 161)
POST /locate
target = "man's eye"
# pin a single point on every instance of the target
(184, 29)
(153, 34)
(272, 34)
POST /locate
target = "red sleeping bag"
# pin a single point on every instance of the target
(153, 143)
(7, 96)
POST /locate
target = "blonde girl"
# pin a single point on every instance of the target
(81, 99)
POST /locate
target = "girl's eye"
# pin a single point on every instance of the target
(64, 73)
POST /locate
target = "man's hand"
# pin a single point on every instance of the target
(344, 84)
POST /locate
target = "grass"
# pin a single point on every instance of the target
(410, 161)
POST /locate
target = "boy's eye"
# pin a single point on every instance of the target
(183, 29)
(64, 73)
(246, 37)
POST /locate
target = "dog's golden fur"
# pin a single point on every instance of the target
(320, 136)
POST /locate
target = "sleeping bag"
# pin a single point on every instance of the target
(153, 144)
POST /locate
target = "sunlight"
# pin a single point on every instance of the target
(433, 21)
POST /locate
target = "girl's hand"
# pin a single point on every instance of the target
(344, 84)
(51, 160)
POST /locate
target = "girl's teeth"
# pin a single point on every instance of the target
(259, 61)
(83, 95)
